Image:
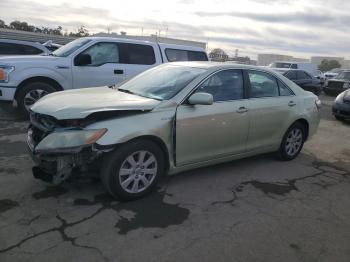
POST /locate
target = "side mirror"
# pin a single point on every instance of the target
(201, 99)
(82, 60)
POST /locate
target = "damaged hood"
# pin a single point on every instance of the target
(79, 103)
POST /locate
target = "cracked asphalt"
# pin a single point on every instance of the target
(255, 209)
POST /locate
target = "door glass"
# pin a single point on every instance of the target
(262, 84)
(224, 86)
(174, 55)
(141, 54)
(284, 90)
(103, 53)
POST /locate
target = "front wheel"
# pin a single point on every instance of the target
(133, 170)
(31, 93)
(292, 142)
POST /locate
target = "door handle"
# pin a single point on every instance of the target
(291, 103)
(118, 71)
(242, 109)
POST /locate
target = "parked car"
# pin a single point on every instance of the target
(282, 67)
(320, 76)
(341, 106)
(172, 118)
(15, 47)
(85, 62)
(338, 84)
(51, 45)
(304, 80)
(332, 73)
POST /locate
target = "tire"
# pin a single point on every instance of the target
(339, 118)
(30, 93)
(292, 142)
(133, 175)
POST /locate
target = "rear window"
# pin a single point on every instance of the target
(174, 55)
(18, 49)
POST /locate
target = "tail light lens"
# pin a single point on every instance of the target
(318, 104)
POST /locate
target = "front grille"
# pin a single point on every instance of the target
(335, 84)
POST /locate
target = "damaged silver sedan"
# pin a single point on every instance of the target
(168, 119)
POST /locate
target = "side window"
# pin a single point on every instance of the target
(294, 66)
(262, 84)
(197, 56)
(303, 75)
(102, 53)
(174, 55)
(31, 50)
(284, 90)
(224, 86)
(292, 75)
(6, 49)
(141, 54)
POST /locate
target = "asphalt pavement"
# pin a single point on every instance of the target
(255, 209)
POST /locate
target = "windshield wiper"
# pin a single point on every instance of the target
(126, 91)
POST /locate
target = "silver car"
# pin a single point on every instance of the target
(169, 119)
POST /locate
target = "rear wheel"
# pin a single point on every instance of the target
(292, 142)
(31, 93)
(133, 170)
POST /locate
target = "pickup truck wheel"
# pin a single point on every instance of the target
(133, 170)
(292, 142)
(31, 93)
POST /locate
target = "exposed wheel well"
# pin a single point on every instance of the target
(305, 124)
(161, 145)
(43, 79)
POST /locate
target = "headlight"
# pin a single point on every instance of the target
(5, 71)
(69, 139)
(346, 86)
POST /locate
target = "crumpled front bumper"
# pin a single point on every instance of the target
(54, 167)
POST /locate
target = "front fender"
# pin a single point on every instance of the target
(123, 129)
(63, 78)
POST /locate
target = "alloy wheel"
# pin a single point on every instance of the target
(294, 141)
(138, 171)
(32, 96)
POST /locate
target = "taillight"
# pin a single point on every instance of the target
(318, 104)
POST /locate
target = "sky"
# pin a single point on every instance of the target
(294, 27)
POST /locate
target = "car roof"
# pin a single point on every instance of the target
(220, 65)
(35, 44)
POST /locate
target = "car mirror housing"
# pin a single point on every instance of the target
(82, 60)
(201, 99)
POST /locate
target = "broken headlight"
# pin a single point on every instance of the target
(69, 139)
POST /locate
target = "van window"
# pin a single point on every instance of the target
(18, 49)
(174, 55)
(141, 54)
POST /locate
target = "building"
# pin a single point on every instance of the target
(266, 59)
(155, 38)
(58, 39)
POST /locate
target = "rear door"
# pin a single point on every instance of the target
(272, 105)
(206, 132)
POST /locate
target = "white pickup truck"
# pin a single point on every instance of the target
(85, 62)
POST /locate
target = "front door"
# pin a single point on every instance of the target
(104, 69)
(205, 132)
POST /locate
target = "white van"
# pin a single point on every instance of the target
(85, 62)
(282, 67)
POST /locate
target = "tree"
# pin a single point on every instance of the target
(327, 65)
(82, 31)
(218, 55)
(2, 24)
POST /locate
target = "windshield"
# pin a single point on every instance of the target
(280, 65)
(69, 48)
(161, 83)
(343, 75)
